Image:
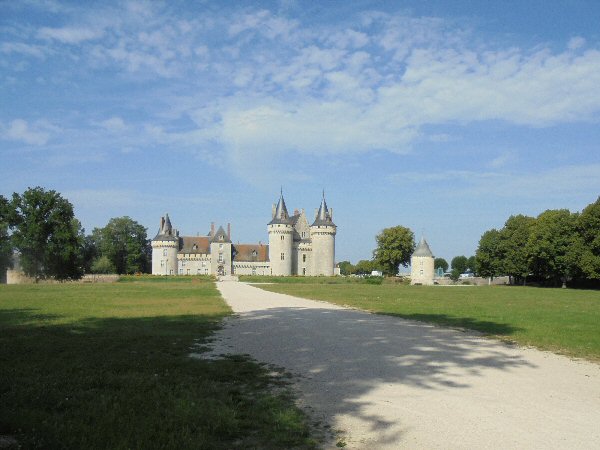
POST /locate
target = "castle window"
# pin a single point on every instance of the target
(304, 257)
(203, 263)
(421, 272)
(180, 271)
(282, 237)
(162, 263)
(165, 252)
(283, 256)
(188, 271)
(254, 271)
(304, 271)
(220, 246)
(220, 257)
(195, 247)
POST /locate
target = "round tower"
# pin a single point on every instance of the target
(281, 237)
(422, 264)
(165, 246)
(322, 234)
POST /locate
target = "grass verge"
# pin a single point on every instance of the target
(560, 320)
(107, 366)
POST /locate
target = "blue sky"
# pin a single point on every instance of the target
(445, 117)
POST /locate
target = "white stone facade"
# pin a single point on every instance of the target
(295, 248)
(422, 269)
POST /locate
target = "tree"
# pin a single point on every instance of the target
(588, 226)
(394, 247)
(440, 262)
(89, 253)
(472, 264)
(346, 267)
(512, 247)
(46, 234)
(102, 265)
(364, 267)
(123, 241)
(554, 246)
(488, 258)
(460, 264)
(5, 242)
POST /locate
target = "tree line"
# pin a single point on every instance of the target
(553, 248)
(40, 227)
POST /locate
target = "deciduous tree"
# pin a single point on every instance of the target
(124, 242)
(5, 242)
(440, 262)
(394, 247)
(488, 258)
(460, 264)
(46, 234)
(513, 247)
(588, 225)
(554, 246)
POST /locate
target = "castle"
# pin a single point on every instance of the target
(295, 248)
(422, 264)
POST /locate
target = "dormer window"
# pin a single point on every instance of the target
(221, 237)
(195, 247)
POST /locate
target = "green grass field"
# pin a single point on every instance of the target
(564, 321)
(107, 366)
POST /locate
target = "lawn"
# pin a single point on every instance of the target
(564, 321)
(107, 366)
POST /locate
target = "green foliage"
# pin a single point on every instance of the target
(364, 267)
(472, 264)
(455, 274)
(514, 237)
(98, 366)
(394, 248)
(588, 225)
(488, 259)
(5, 242)
(441, 262)
(47, 235)
(124, 242)
(346, 267)
(103, 265)
(554, 247)
(565, 321)
(460, 263)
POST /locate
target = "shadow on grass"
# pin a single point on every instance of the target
(129, 383)
(468, 323)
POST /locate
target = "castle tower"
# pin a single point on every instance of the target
(165, 246)
(220, 250)
(322, 234)
(281, 236)
(421, 264)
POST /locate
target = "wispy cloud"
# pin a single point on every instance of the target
(69, 35)
(20, 130)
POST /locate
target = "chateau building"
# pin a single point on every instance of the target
(295, 248)
(422, 264)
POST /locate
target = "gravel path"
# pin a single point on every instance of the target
(389, 383)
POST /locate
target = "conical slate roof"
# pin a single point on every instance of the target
(165, 231)
(281, 213)
(323, 216)
(423, 249)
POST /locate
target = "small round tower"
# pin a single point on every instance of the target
(322, 234)
(281, 237)
(165, 246)
(422, 264)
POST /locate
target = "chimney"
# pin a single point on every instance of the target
(229, 231)
(212, 229)
(296, 212)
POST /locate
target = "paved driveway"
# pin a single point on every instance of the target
(392, 383)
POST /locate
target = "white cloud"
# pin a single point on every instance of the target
(114, 124)
(24, 49)
(69, 35)
(20, 130)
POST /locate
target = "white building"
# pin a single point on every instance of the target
(422, 264)
(295, 248)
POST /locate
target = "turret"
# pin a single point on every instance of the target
(165, 246)
(422, 264)
(220, 250)
(281, 236)
(322, 233)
